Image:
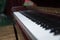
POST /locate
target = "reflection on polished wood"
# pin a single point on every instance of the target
(46, 10)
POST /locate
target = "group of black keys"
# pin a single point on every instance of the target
(46, 21)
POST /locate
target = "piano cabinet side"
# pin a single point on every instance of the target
(21, 30)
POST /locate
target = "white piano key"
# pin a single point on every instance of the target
(38, 32)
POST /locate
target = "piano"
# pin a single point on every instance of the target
(38, 26)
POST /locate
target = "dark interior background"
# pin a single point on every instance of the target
(47, 3)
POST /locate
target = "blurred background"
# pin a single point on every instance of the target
(6, 18)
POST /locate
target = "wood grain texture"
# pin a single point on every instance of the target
(7, 33)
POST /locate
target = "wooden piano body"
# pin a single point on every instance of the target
(19, 25)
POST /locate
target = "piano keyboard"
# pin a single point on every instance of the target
(46, 22)
(38, 27)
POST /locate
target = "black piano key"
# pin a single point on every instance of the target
(44, 26)
(57, 32)
(38, 22)
(47, 27)
(52, 30)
